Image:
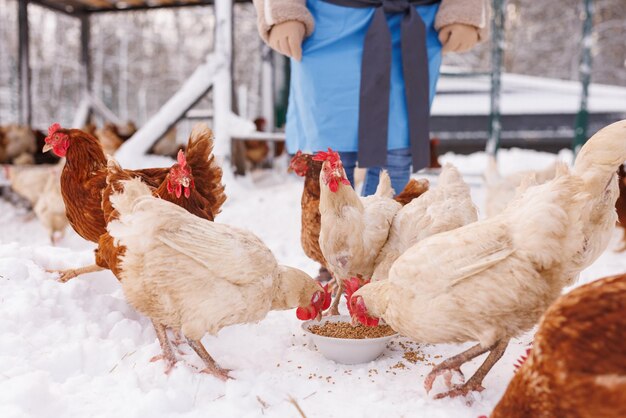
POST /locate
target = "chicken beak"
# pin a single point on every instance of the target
(185, 182)
(354, 322)
(46, 148)
(318, 317)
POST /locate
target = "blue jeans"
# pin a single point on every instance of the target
(398, 166)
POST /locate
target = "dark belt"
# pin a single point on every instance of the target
(376, 79)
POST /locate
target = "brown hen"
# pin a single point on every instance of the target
(304, 166)
(577, 367)
(83, 182)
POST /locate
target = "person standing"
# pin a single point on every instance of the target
(363, 75)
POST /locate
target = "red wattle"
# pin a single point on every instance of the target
(303, 314)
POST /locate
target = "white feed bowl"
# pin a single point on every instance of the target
(347, 350)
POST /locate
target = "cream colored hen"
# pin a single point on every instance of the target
(491, 280)
(50, 208)
(29, 181)
(41, 186)
(444, 208)
(197, 276)
(353, 229)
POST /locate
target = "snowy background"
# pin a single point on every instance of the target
(78, 349)
(141, 58)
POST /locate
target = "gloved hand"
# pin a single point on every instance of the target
(286, 38)
(458, 37)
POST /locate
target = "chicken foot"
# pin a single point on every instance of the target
(211, 365)
(167, 354)
(66, 275)
(454, 364)
(334, 307)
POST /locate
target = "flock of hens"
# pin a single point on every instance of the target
(420, 260)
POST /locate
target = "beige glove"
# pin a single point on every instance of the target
(287, 37)
(458, 37)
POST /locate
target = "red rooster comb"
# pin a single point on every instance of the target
(330, 156)
(182, 160)
(352, 285)
(333, 171)
(298, 164)
(54, 128)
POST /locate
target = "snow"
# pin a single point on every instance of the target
(522, 94)
(78, 349)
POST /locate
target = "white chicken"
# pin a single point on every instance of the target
(353, 229)
(41, 186)
(197, 276)
(491, 280)
(501, 190)
(50, 208)
(444, 208)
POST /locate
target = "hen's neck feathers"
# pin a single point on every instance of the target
(376, 297)
(292, 288)
(335, 201)
(84, 155)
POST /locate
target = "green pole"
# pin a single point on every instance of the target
(497, 47)
(584, 70)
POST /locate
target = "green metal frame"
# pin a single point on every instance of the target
(584, 69)
(497, 47)
(585, 66)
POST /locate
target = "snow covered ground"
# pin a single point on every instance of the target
(79, 350)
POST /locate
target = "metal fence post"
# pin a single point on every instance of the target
(497, 47)
(25, 108)
(584, 70)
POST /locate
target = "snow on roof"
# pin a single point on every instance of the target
(521, 94)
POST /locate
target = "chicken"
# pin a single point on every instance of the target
(501, 190)
(109, 139)
(17, 144)
(179, 187)
(50, 208)
(84, 180)
(29, 181)
(447, 207)
(434, 153)
(620, 205)
(353, 230)
(577, 367)
(41, 186)
(413, 189)
(196, 276)
(491, 280)
(305, 166)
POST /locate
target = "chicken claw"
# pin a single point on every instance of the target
(334, 308)
(67, 275)
(218, 372)
(167, 354)
(169, 362)
(454, 363)
(211, 366)
(461, 390)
